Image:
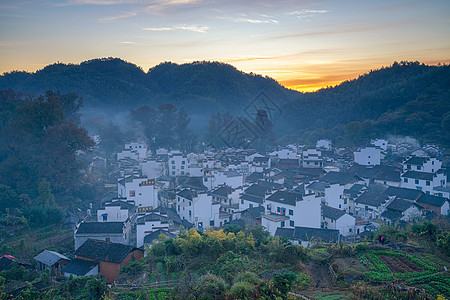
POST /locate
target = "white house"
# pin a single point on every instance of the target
(148, 224)
(199, 209)
(127, 154)
(139, 148)
(141, 190)
(369, 156)
(333, 218)
(423, 181)
(370, 205)
(380, 143)
(115, 232)
(284, 154)
(422, 164)
(177, 164)
(400, 209)
(312, 158)
(331, 194)
(116, 210)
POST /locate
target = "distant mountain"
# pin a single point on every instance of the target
(198, 86)
(407, 98)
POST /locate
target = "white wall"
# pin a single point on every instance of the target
(143, 229)
(333, 196)
(152, 168)
(368, 156)
(142, 195)
(114, 214)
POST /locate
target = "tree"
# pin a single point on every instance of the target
(8, 198)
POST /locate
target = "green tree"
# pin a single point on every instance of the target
(8, 198)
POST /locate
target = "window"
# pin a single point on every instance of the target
(205, 179)
(182, 172)
(282, 224)
(345, 201)
(250, 205)
(132, 193)
(408, 167)
(183, 162)
(416, 181)
(178, 208)
(419, 168)
(211, 223)
(291, 223)
(190, 203)
(173, 167)
(405, 180)
(182, 167)
(173, 173)
(366, 208)
(105, 218)
(291, 212)
(428, 182)
(349, 230)
(339, 205)
(190, 213)
(278, 209)
(173, 162)
(242, 201)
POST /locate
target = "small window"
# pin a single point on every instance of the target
(190, 213)
(178, 208)
(345, 201)
(132, 193)
(408, 167)
(349, 230)
(242, 201)
(182, 167)
(190, 203)
(291, 212)
(173, 167)
(173, 173)
(105, 218)
(405, 180)
(416, 181)
(183, 162)
(428, 182)
(182, 172)
(278, 209)
(211, 223)
(173, 162)
(282, 224)
(291, 223)
(250, 205)
(419, 168)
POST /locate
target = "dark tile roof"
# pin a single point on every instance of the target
(79, 266)
(254, 177)
(49, 258)
(232, 173)
(306, 233)
(252, 198)
(187, 193)
(409, 194)
(121, 204)
(195, 182)
(100, 227)
(388, 174)
(270, 185)
(432, 200)
(104, 251)
(332, 213)
(257, 190)
(372, 199)
(363, 171)
(318, 186)
(400, 204)
(392, 214)
(255, 211)
(7, 261)
(419, 175)
(285, 197)
(340, 177)
(289, 161)
(222, 191)
(149, 238)
(285, 232)
(151, 217)
(416, 160)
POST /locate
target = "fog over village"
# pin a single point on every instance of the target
(210, 150)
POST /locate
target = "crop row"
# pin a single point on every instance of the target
(379, 276)
(381, 266)
(429, 278)
(442, 287)
(410, 257)
(412, 274)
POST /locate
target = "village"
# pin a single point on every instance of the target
(332, 195)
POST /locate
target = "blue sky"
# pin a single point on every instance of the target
(303, 44)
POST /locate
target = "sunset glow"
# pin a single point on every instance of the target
(305, 45)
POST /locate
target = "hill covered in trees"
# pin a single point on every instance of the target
(406, 98)
(198, 86)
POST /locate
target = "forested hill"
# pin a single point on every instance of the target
(210, 86)
(406, 98)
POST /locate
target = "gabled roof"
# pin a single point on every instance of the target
(257, 190)
(49, 258)
(372, 199)
(403, 193)
(331, 212)
(400, 205)
(254, 177)
(258, 159)
(340, 177)
(306, 234)
(255, 212)
(149, 238)
(418, 175)
(416, 161)
(432, 200)
(289, 161)
(100, 227)
(222, 191)
(388, 174)
(232, 173)
(151, 217)
(363, 171)
(392, 214)
(318, 186)
(285, 197)
(122, 204)
(275, 217)
(104, 251)
(195, 182)
(79, 267)
(188, 194)
(252, 198)
(285, 232)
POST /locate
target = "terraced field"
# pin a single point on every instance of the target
(421, 272)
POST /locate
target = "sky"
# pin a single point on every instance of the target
(304, 44)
